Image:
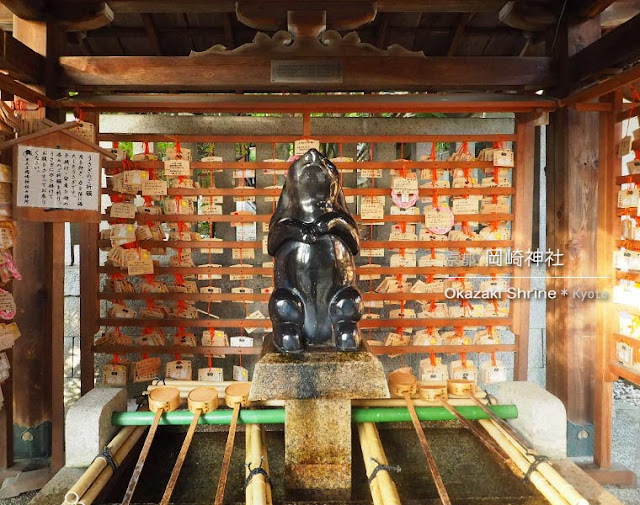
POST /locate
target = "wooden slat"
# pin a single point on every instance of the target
(265, 323)
(264, 297)
(228, 6)
(347, 191)
(360, 270)
(627, 179)
(288, 139)
(173, 349)
(265, 218)
(421, 244)
(284, 166)
(251, 73)
(443, 349)
(374, 349)
(633, 342)
(626, 373)
(633, 245)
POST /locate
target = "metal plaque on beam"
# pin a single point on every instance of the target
(304, 71)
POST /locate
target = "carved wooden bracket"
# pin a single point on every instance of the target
(273, 16)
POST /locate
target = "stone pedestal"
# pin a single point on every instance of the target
(318, 388)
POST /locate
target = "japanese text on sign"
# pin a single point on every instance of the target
(58, 178)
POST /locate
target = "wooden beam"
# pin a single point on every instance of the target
(604, 87)
(14, 87)
(572, 175)
(89, 286)
(618, 48)
(30, 10)
(523, 224)
(20, 61)
(227, 23)
(208, 7)
(251, 73)
(152, 34)
(592, 8)
(383, 28)
(608, 168)
(419, 102)
(459, 33)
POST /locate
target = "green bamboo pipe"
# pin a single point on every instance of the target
(276, 415)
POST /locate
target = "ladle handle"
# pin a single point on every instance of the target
(224, 472)
(175, 473)
(431, 462)
(486, 440)
(137, 471)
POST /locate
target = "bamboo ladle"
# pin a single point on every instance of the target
(161, 400)
(235, 396)
(200, 401)
(405, 384)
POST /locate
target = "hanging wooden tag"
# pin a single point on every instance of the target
(154, 187)
(146, 369)
(114, 375)
(503, 158)
(301, 146)
(123, 210)
(493, 373)
(210, 374)
(177, 168)
(240, 374)
(178, 370)
(624, 147)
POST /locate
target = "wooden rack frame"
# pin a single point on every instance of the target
(609, 238)
(520, 217)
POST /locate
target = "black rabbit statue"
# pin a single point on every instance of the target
(313, 239)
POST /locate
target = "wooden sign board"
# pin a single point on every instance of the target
(56, 179)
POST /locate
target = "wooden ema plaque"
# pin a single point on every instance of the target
(56, 178)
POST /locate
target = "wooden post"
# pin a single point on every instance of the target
(39, 387)
(609, 165)
(572, 191)
(89, 282)
(523, 215)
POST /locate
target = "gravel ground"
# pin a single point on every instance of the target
(23, 499)
(626, 392)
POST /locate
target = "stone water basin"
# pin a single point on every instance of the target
(471, 475)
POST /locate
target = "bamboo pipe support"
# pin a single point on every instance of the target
(546, 489)
(96, 466)
(256, 492)
(101, 481)
(383, 489)
(548, 472)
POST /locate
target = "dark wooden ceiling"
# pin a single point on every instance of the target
(143, 28)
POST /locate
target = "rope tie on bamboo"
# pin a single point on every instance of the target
(108, 457)
(159, 379)
(382, 467)
(258, 470)
(537, 460)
